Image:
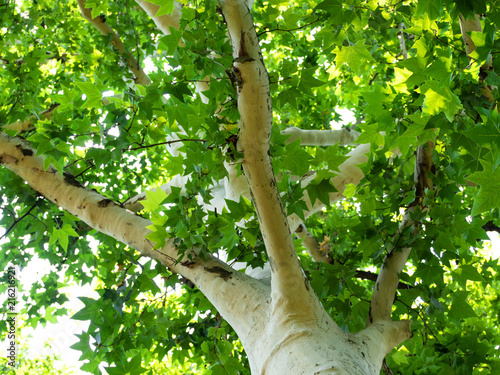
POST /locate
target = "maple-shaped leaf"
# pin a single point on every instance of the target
(440, 99)
(83, 346)
(166, 7)
(488, 197)
(354, 56)
(154, 199)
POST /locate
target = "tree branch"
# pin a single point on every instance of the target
(289, 287)
(343, 137)
(466, 26)
(100, 24)
(242, 294)
(28, 123)
(317, 251)
(165, 22)
(395, 260)
(17, 221)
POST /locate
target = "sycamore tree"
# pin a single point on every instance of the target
(240, 228)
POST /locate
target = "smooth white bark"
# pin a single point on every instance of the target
(343, 137)
(28, 123)
(301, 339)
(231, 292)
(288, 284)
(164, 22)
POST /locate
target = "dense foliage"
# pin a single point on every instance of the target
(399, 66)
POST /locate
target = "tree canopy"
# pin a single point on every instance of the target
(146, 126)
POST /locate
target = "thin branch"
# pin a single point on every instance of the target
(16, 221)
(288, 30)
(367, 275)
(167, 143)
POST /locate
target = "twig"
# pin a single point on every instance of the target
(17, 221)
(167, 143)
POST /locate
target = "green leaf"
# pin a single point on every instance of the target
(134, 365)
(98, 7)
(349, 191)
(441, 71)
(484, 134)
(492, 79)
(440, 99)
(239, 209)
(83, 345)
(166, 7)
(289, 96)
(484, 42)
(331, 156)
(229, 236)
(296, 159)
(89, 312)
(411, 135)
(307, 80)
(489, 181)
(321, 191)
(460, 308)
(154, 199)
(400, 357)
(354, 56)
(93, 94)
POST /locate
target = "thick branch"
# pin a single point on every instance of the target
(100, 24)
(242, 293)
(28, 123)
(288, 285)
(343, 137)
(165, 22)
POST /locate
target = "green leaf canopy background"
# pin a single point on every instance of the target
(400, 67)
